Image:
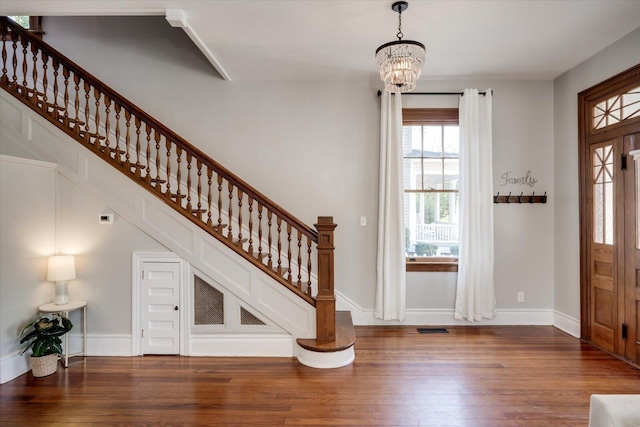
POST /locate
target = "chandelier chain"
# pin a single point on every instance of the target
(400, 35)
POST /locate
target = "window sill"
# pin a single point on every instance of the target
(440, 264)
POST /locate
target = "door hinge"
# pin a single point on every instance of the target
(623, 162)
(143, 333)
(624, 331)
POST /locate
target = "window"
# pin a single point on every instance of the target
(22, 20)
(431, 152)
(31, 23)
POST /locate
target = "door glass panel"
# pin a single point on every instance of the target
(603, 195)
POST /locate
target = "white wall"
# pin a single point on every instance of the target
(27, 227)
(313, 147)
(616, 58)
(103, 258)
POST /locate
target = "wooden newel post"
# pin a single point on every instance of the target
(326, 298)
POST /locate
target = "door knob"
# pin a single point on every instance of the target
(175, 308)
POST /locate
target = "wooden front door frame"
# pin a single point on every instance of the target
(601, 91)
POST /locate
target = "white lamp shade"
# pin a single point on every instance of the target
(61, 267)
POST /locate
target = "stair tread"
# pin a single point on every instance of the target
(345, 336)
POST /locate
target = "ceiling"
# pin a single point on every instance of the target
(337, 39)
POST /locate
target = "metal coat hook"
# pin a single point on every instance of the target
(520, 198)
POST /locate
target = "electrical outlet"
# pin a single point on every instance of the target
(363, 221)
(520, 296)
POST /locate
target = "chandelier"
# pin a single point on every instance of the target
(400, 61)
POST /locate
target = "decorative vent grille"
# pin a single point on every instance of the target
(208, 303)
(617, 109)
(247, 318)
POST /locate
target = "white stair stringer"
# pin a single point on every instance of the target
(25, 128)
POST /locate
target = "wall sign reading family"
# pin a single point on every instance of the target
(509, 178)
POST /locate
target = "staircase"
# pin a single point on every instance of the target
(186, 180)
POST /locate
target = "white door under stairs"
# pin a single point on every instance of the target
(161, 308)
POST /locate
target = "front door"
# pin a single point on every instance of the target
(610, 130)
(160, 308)
(632, 248)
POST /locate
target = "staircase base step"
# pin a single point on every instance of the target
(334, 354)
(345, 336)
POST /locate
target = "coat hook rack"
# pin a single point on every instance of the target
(522, 198)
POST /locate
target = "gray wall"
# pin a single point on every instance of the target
(27, 227)
(103, 257)
(616, 58)
(313, 147)
(41, 214)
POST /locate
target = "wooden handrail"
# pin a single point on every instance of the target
(168, 133)
(164, 163)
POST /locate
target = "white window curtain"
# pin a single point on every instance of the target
(390, 301)
(475, 297)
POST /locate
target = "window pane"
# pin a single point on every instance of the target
(431, 224)
(618, 108)
(412, 174)
(631, 104)
(22, 20)
(432, 174)
(451, 141)
(603, 195)
(432, 141)
(598, 213)
(608, 213)
(411, 141)
(451, 174)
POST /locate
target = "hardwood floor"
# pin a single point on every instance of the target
(480, 376)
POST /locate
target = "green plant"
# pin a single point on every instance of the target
(43, 335)
(426, 249)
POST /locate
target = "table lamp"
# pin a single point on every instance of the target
(61, 268)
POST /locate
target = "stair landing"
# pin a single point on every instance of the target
(345, 336)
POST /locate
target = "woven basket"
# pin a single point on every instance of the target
(44, 365)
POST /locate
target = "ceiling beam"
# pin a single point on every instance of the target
(177, 18)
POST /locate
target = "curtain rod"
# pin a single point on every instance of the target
(436, 93)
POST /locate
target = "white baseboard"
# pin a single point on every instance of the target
(13, 366)
(566, 323)
(247, 345)
(505, 317)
